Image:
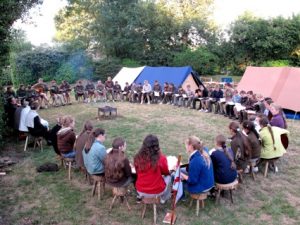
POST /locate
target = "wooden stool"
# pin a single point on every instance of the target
(37, 142)
(98, 182)
(121, 193)
(269, 161)
(226, 187)
(148, 201)
(199, 199)
(68, 162)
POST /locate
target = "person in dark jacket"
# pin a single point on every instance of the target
(277, 119)
(117, 166)
(223, 162)
(240, 146)
(66, 137)
(53, 134)
(216, 95)
(254, 140)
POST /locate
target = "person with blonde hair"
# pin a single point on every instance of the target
(200, 177)
(66, 137)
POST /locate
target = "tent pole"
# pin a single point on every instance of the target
(295, 116)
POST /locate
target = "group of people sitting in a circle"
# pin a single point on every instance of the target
(150, 171)
(258, 138)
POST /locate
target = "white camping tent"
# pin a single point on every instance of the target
(127, 75)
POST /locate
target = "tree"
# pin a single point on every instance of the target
(11, 10)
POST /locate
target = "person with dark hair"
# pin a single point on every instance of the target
(156, 94)
(254, 140)
(278, 119)
(101, 91)
(109, 86)
(164, 93)
(55, 94)
(37, 126)
(65, 89)
(126, 92)
(153, 177)
(80, 142)
(90, 92)
(178, 97)
(117, 91)
(94, 152)
(66, 137)
(272, 146)
(10, 109)
(200, 177)
(223, 162)
(21, 92)
(240, 146)
(117, 166)
(215, 97)
(79, 91)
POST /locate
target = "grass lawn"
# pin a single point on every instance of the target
(27, 197)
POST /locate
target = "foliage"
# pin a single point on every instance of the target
(201, 59)
(254, 41)
(50, 63)
(149, 32)
(130, 63)
(106, 67)
(11, 10)
(276, 63)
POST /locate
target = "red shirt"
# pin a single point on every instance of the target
(150, 179)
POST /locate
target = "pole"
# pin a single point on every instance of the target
(175, 192)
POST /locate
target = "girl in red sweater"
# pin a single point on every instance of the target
(153, 177)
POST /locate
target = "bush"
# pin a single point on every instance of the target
(276, 63)
(202, 60)
(106, 67)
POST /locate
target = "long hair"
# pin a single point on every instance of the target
(280, 112)
(148, 153)
(249, 125)
(93, 135)
(114, 161)
(221, 141)
(246, 144)
(264, 122)
(88, 126)
(197, 144)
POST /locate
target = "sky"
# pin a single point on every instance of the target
(41, 27)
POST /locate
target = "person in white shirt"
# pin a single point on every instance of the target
(146, 92)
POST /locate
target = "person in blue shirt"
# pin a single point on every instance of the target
(200, 177)
(94, 152)
(223, 162)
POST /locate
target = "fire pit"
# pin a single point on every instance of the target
(107, 111)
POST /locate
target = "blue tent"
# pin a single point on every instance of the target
(175, 75)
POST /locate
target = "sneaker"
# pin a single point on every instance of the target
(276, 169)
(255, 169)
(160, 103)
(162, 201)
(148, 103)
(206, 111)
(247, 170)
